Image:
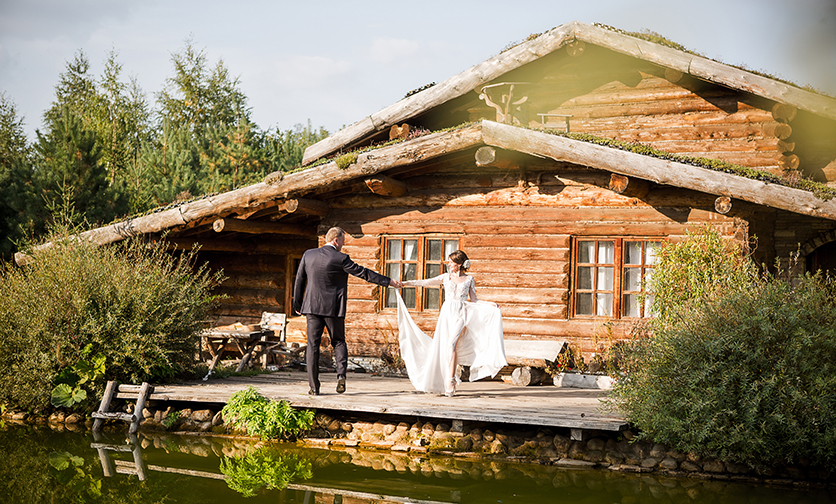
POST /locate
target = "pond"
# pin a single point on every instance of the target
(44, 465)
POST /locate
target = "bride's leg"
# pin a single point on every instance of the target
(451, 372)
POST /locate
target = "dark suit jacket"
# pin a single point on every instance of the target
(322, 282)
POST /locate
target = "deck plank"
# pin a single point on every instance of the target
(483, 401)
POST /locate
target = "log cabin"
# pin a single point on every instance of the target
(506, 161)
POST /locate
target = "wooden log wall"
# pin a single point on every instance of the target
(257, 280)
(619, 97)
(516, 225)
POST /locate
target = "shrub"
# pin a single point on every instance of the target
(247, 409)
(748, 376)
(137, 306)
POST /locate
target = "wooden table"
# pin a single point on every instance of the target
(245, 341)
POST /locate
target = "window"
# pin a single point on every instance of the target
(610, 275)
(414, 257)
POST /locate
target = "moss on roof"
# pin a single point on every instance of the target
(656, 38)
(820, 190)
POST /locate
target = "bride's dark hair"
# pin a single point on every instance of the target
(459, 257)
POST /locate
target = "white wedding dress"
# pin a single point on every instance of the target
(480, 345)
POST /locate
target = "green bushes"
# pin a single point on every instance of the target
(248, 410)
(747, 376)
(138, 307)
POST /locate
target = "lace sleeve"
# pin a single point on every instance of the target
(428, 282)
(472, 292)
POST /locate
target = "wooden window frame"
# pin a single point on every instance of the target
(618, 287)
(421, 261)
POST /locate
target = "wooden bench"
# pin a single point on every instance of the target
(529, 357)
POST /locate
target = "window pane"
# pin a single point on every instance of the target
(433, 270)
(410, 250)
(450, 246)
(632, 279)
(410, 271)
(434, 250)
(394, 250)
(603, 305)
(632, 252)
(408, 294)
(585, 278)
(586, 252)
(647, 274)
(431, 298)
(393, 270)
(631, 306)
(605, 279)
(584, 306)
(648, 303)
(651, 249)
(606, 252)
(391, 299)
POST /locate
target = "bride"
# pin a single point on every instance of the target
(467, 333)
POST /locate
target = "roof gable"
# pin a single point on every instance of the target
(494, 68)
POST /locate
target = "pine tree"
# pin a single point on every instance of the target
(69, 171)
(15, 177)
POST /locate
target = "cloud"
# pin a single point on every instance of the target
(389, 50)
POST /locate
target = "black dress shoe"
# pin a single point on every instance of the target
(340, 385)
(313, 392)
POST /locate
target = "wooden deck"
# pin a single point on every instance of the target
(484, 401)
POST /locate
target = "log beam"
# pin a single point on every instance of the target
(305, 206)
(723, 205)
(255, 247)
(783, 113)
(789, 162)
(659, 171)
(488, 156)
(386, 186)
(244, 226)
(628, 186)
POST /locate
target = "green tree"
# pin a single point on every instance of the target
(69, 173)
(15, 177)
(116, 111)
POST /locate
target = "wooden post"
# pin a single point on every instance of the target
(485, 156)
(631, 187)
(305, 206)
(140, 405)
(783, 113)
(673, 75)
(789, 162)
(723, 205)
(526, 376)
(575, 48)
(244, 226)
(110, 391)
(386, 186)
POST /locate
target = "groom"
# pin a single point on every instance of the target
(320, 293)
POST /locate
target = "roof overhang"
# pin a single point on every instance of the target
(550, 41)
(428, 147)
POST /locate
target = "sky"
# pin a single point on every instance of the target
(334, 62)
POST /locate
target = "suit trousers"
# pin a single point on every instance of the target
(336, 331)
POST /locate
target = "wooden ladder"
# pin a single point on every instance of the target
(140, 393)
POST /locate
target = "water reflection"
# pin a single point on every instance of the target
(46, 466)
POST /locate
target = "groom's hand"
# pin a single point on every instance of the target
(395, 283)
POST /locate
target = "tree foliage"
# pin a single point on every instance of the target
(104, 152)
(15, 171)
